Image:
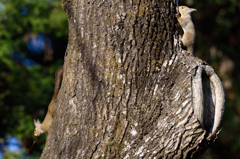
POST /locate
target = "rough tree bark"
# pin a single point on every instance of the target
(128, 90)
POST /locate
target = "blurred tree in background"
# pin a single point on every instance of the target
(33, 39)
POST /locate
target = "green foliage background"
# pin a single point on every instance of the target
(25, 92)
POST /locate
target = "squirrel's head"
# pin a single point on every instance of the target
(38, 131)
(184, 10)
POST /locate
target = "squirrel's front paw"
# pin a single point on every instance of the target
(177, 14)
(181, 42)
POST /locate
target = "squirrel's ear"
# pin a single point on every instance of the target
(36, 122)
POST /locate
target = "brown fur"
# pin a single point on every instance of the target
(45, 126)
(186, 23)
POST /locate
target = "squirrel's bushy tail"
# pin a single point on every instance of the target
(58, 79)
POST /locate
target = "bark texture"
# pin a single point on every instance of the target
(127, 89)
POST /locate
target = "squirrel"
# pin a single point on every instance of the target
(186, 23)
(45, 126)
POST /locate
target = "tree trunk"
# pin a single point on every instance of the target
(128, 89)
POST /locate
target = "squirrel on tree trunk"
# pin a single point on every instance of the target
(186, 23)
(45, 126)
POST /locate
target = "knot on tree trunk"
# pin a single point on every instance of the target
(208, 100)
